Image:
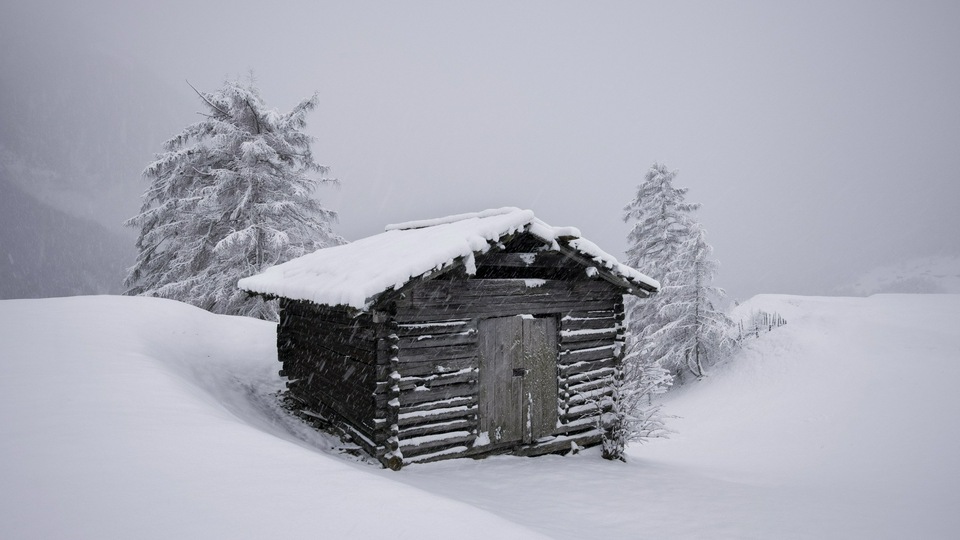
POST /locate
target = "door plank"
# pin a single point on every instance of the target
(500, 392)
(540, 381)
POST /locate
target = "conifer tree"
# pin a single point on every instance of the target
(679, 329)
(661, 220)
(230, 196)
(695, 334)
(660, 215)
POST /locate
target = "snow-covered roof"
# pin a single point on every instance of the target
(355, 274)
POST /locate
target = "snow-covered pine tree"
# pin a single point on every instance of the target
(661, 219)
(669, 243)
(230, 196)
(695, 334)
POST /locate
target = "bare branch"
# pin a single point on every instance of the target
(203, 97)
(255, 118)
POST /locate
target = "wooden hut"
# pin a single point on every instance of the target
(461, 336)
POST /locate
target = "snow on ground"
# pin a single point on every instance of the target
(842, 424)
(853, 402)
(145, 418)
(137, 417)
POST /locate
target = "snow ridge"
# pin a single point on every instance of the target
(420, 224)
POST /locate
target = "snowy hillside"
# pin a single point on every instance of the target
(144, 418)
(938, 274)
(47, 252)
(79, 126)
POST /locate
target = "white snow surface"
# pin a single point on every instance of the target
(446, 220)
(146, 418)
(353, 274)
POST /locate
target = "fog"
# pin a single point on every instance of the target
(821, 138)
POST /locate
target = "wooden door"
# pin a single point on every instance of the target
(540, 377)
(518, 378)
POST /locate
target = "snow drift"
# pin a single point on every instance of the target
(145, 418)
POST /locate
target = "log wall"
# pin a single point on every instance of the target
(330, 360)
(437, 360)
(403, 379)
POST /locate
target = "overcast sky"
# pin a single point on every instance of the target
(821, 137)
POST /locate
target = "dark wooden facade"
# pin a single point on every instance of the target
(515, 358)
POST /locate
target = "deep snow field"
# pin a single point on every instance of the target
(142, 418)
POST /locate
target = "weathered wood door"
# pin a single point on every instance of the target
(518, 378)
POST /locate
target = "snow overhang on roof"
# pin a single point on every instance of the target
(355, 274)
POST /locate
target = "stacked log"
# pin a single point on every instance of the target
(438, 388)
(403, 380)
(329, 359)
(439, 360)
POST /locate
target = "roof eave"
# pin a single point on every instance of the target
(639, 289)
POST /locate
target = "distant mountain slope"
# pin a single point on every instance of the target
(45, 252)
(924, 275)
(77, 128)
